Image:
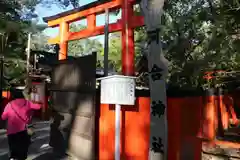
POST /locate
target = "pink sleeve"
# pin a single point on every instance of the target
(34, 106)
(5, 112)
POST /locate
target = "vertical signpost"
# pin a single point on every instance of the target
(3, 44)
(28, 52)
(106, 42)
(118, 90)
(1, 72)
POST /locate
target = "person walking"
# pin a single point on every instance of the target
(18, 114)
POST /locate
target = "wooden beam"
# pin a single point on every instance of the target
(97, 31)
(75, 10)
(136, 21)
(82, 8)
(80, 15)
(91, 22)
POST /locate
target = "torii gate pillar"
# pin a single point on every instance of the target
(63, 44)
(127, 39)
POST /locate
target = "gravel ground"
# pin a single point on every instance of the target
(220, 153)
(39, 149)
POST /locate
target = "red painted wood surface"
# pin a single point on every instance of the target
(184, 124)
(135, 131)
(127, 40)
(99, 30)
(191, 122)
(209, 118)
(64, 29)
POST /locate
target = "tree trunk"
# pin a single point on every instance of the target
(158, 70)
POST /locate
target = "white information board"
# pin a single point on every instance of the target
(118, 89)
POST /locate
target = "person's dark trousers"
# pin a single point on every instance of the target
(18, 145)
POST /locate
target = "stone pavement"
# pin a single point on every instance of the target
(39, 149)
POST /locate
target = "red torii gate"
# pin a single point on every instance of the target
(126, 25)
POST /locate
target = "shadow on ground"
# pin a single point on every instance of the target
(49, 156)
(4, 157)
(46, 156)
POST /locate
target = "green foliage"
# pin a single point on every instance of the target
(40, 42)
(140, 38)
(199, 36)
(83, 46)
(66, 3)
(115, 51)
(15, 23)
(115, 48)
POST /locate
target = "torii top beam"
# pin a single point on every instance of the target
(90, 11)
(96, 7)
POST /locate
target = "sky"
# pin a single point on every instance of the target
(44, 11)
